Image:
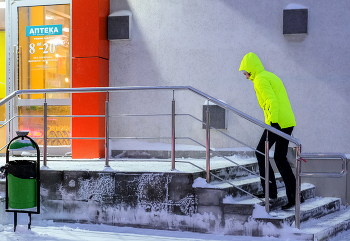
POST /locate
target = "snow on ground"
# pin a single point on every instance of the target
(50, 231)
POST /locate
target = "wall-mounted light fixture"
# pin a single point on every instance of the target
(119, 25)
(295, 19)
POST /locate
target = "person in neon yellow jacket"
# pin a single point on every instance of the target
(273, 99)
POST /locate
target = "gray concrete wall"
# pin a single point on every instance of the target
(148, 200)
(201, 43)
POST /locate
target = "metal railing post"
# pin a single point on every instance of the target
(298, 188)
(173, 133)
(107, 132)
(346, 189)
(15, 67)
(45, 134)
(208, 145)
(267, 165)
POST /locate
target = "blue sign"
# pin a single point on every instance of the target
(43, 30)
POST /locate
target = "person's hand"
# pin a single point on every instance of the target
(276, 125)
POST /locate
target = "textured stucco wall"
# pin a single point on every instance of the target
(200, 43)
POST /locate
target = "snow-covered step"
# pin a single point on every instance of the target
(312, 208)
(212, 194)
(328, 226)
(307, 190)
(249, 183)
(227, 170)
(239, 206)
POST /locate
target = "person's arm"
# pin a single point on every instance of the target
(269, 97)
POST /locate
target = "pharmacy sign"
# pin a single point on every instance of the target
(43, 30)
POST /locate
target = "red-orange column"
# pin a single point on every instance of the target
(90, 68)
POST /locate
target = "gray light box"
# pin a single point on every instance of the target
(295, 21)
(118, 27)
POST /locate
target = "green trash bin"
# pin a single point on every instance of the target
(22, 184)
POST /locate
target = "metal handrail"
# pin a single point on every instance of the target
(223, 133)
(299, 175)
(173, 88)
(111, 89)
(315, 156)
(211, 99)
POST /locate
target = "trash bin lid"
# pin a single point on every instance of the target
(22, 169)
(22, 145)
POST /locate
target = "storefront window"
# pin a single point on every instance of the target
(44, 49)
(56, 126)
(44, 63)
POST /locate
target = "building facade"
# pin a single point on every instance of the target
(176, 43)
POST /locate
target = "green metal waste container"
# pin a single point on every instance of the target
(22, 184)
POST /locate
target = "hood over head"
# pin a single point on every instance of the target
(252, 64)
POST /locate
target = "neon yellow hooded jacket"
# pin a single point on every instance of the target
(270, 91)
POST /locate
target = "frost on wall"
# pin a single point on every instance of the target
(153, 195)
(103, 196)
(95, 189)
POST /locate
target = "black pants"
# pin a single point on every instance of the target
(282, 164)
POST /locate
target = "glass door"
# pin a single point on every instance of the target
(43, 62)
(2, 74)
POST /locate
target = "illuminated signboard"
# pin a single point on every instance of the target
(43, 30)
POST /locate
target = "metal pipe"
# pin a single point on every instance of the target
(267, 165)
(223, 133)
(315, 156)
(297, 187)
(251, 172)
(173, 134)
(73, 138)
(109, 89)
(133, 115)
(20, 59)
(15, 67)
(62, 116)
(45, 134)
(107, 133)
(245, 116)
(207, 129)
(346, 189)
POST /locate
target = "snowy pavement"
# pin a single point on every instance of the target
(88, 232)
(50, 231)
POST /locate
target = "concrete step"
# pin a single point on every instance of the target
(245, 205)
(328, 226)
(249, 183)
(320, 220)
(213, 194)
(311, 208)
(226, 170)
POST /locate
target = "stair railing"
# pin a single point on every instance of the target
(299, 174)
(112, 89)
(209, 98)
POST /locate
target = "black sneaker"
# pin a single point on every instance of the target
(288, 205)
(292, 204)
(262, 195)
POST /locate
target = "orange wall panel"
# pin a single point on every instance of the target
(90, 68)
(89, 72)
(89, 28)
